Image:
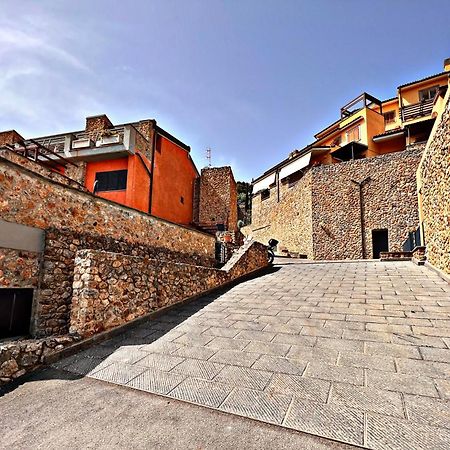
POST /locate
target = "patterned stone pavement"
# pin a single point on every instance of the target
(357, 351)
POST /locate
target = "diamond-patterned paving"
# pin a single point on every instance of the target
(356, 351)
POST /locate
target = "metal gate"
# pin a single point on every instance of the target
(413, 241)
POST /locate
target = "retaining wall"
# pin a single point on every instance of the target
(111, 289)
(434, 191)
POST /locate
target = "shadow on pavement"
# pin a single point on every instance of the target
(125, 347)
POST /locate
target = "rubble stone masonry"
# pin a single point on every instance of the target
(110, 289)
(76, 220)
(434, 188)
(319, 215)
(19, 268)
(288, 220)
(218, 197)
(389, 200)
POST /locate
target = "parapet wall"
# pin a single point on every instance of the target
(111, 289)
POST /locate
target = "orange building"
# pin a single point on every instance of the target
(367, 127)
(139, 164)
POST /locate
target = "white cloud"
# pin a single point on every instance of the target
(44, 83)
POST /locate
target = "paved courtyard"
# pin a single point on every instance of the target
(358, 352)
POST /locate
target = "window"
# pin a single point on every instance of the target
(389, 117)
(115, 180)
(428, 94)
(353, 134)
(265, 194)
(182, 200)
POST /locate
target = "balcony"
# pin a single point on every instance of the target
(120, 141)
(417, 110)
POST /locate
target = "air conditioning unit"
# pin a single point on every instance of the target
(82, 143)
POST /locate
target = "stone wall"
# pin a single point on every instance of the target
(389, 202)
(434, 188)
(61, 246)
(77, 220)
(20, 357)
(319, 214)
(218, 197)
(47, 173)
(31, 199)
(19, 268)
(288, 220)
(111, 289)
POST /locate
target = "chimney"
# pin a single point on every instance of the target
(95, 124)
(447, 65)
(10, 137)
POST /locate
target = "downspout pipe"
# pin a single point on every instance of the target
(154, 137)
(360, 185)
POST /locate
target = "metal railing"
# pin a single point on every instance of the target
(416, 110)
(413, 241)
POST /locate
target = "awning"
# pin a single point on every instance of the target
(388, 135)
(264, 183)
(349, 151)
(295, 165)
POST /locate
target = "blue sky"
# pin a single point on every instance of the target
(252, 79)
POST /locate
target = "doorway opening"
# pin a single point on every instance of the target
(380, 242)
(15, 312)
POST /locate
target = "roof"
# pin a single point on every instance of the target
(423, 79)
(390, 99)
(293, 156)
(172, 138)
(326, 128)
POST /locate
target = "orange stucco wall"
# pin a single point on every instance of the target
(173, 178)
(410, 94)
(137, 193)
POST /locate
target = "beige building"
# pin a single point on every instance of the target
(352, 192)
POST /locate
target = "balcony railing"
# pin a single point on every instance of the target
(416, 110)
(82, 140)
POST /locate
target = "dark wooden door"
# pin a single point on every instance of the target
(380, 242)
(15, 312)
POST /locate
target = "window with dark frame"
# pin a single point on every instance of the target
(428, 94)
(265, 194)
(115, 180)
(389, 117)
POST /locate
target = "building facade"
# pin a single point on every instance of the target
(352, 192)
(139, 164)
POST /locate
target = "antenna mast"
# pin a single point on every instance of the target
(208, 156)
